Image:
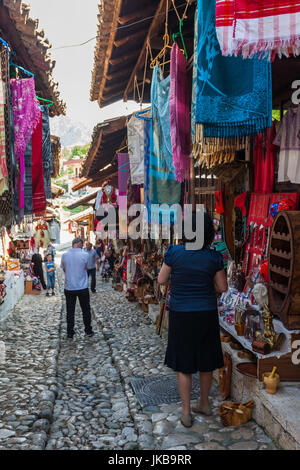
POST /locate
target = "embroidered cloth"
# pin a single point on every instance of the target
(136, 139)
(228, 106)
(266, 27)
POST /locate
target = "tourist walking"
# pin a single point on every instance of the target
(196, 276)
(92, 259)
(75, 265)
(50, 269)
(51, 250)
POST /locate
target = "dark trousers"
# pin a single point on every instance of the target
(84, 300)
(92, 273)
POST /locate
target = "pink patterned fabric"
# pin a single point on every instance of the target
(266, 27)
(26, 114)
(180, 115)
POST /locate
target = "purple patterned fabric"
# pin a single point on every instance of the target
(123, 172)
(180, 115)
(26, 114)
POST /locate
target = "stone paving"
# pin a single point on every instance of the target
(61, 394)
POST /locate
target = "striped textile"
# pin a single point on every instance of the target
(37, 170)
(266, 27)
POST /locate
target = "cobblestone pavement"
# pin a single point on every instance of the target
(57, 394)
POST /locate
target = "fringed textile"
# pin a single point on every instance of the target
(26, 117)
(136, 138)
(179, 112)
(163, 187)
(264, 27)
(234, 96)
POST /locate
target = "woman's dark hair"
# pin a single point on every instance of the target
(209, 231)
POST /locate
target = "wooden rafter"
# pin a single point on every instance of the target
(114, 26)
(153, 30)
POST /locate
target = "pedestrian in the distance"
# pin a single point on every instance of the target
(50, 269)
(51, 251)
(92, 259)
(37, 266)
(75, 266)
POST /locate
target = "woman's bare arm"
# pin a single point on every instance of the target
(164, 275)
(220, 282)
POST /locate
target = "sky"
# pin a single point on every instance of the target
(68, 22)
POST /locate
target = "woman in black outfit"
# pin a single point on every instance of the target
(194, 334)
(38, 268)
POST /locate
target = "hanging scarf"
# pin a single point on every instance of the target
(47, 153)
(123, 177)
(26, 117)
(266, 27)
(234, 96)
(3, 166)
(136, 138)
(179, 114)
(28, 205)
(163, 187)
(148, 132)
(38, 191)
(264, 162)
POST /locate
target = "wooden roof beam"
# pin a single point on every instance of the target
(155, 26)
(114, 26)
(142, 13)
(130, 37)
(123, 59)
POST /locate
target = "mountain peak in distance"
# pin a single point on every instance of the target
(71, 133)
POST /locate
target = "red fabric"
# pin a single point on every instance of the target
(38, 191)
(219, 202)
(258, 26)
(259, 208)
(264, 158)
(240, 203)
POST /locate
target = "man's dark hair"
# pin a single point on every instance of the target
(76, 241)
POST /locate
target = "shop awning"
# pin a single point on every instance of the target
(124, 31)
(85, 215)
(83, 201)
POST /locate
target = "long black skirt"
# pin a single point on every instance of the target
(194, 343)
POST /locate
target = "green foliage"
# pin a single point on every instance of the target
(79, 151)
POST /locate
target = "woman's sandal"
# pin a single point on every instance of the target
(186, 420)
(204, 410)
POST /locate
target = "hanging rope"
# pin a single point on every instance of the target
(145, 73)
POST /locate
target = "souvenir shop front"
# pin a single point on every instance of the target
(244, 166)
(25, 153)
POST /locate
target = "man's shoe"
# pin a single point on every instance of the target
(89, 335)
(47, 295)
(53, 293)
(94, 291)
(70, 337)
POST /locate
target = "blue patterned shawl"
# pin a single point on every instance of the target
(47, 153)
(234, 95)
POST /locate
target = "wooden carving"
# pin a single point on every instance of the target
(225, 376)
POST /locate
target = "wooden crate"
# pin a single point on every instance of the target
(29, 289)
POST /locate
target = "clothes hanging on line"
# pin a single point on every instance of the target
(136, 138)
(28, 204)
(47, 153)
(264, 27)
(38, 191)
(162, 185)
(288, 139)
(228, 106)
(3, 166)
(264, 160)
(26, 118)
(179, 111)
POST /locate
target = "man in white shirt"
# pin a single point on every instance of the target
(75, 265)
